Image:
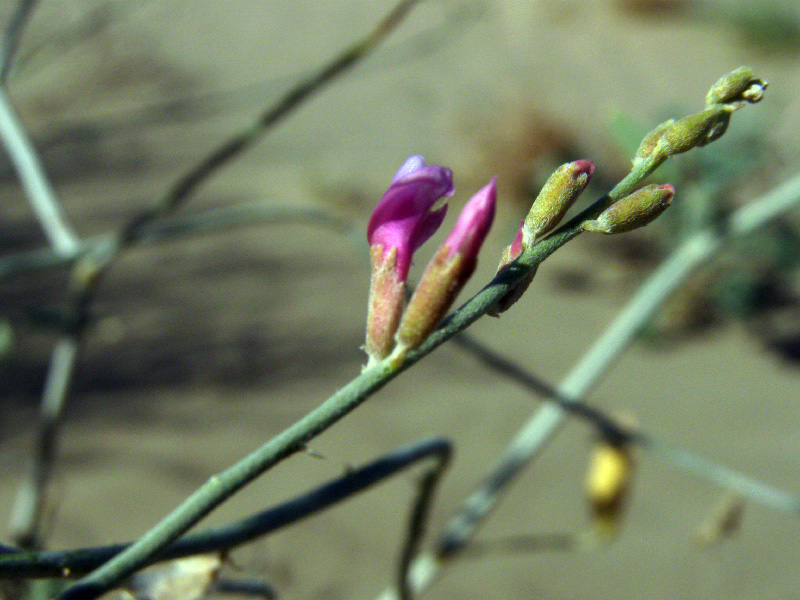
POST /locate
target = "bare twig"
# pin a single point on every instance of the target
(607, 426)
(189, 183)
(34, 180)
(416, 527)
(250, 213)
(15, 564)
(176, 228)
(27, 517)
(11, 38)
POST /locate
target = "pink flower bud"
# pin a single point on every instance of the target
(403, 218)
(510, 254)
(401, 222)
(449, 269)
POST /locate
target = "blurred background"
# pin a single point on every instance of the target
(205, 347)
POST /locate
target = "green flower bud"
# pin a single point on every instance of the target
(633, 211)
(695, 130)
(557, 195)
(650, 143)
(736, 87)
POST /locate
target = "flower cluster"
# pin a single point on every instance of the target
(404, 219)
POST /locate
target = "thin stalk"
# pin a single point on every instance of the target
(240, 142)
(16, 565)
(34, 180)
(27, 516)
(16, 26)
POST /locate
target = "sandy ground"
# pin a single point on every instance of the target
(206, 348)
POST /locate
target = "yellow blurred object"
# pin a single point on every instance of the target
(607, 482)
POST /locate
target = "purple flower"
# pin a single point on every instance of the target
(403, 218)
(401, 222)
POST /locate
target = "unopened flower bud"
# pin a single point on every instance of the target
(633, 211)
(559, 192)
(510, 254)
(401, 222)
(694, 130)
(448, 270)
(739, 86)
(607, 483)
(649, 144)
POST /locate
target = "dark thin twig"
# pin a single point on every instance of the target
(246, 588)
(27, 518)
(15, 565)
(419, 517)
(12, 36)
(187, 184)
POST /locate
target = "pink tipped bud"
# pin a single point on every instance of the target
(474, 223)
(448, 270)
(737, 87)
(512, 251)
(633, 211)
(510, 254)
(555, 198)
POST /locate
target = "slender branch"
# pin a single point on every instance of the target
(11, 39)
(250, 213)
(14, 565)
(416, 527)
(27, 516)
(34, 180)
(40, 259)
(189, 183)
(686, 461)
(168, 230)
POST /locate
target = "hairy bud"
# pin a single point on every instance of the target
(559, 192)
(739, 86)
(695, 130)
(633, 211)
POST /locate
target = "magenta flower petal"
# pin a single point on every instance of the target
(413, 163)
(474, 222)
(448, 270)
(403, 218)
